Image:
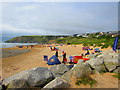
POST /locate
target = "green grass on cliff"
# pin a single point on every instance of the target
(102, 41)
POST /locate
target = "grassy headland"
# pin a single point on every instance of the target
(102, 41)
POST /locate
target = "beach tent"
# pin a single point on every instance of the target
(115, 44)
(56, 60)
(86, 48)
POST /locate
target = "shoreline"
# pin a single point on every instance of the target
(13, 52)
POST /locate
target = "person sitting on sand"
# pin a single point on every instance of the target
(64, 57)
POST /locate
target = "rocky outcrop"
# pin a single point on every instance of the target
(111, 64)
(35, 77)
(57, 83)
(59, 70)
(107, 61)
(97, 64)
(81, 69)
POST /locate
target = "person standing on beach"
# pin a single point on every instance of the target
(87, 53)
(51, 48)
(64, 57)
(56, 54)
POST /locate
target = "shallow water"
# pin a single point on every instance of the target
(8, 45)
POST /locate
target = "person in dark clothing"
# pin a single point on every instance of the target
(64, 57)
(51, 48)
(56, 53)
(87, 53)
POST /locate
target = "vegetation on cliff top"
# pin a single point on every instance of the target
(101, 41)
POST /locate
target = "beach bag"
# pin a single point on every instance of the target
(45, 58)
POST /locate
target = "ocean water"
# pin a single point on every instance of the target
(8, 45)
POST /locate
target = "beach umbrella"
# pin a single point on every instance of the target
(115, 44)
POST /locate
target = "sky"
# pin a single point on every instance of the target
(57, 18)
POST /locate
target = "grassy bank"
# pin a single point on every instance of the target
(101, 41)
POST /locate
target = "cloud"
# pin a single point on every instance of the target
(28, 7)
(59, 18)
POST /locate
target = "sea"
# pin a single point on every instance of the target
(9, 45)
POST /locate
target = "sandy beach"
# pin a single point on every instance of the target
(30, 58)
(34, 58)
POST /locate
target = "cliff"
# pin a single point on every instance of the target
(35, 39)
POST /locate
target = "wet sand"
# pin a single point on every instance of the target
(13, 52)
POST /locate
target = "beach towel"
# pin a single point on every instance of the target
(86, 48)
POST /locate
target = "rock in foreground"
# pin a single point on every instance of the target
(57, 83)
(39, 76)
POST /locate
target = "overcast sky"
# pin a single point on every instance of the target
(56, 18)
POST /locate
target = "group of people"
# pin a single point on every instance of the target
(53, 48)
(73, 59)
(63, 54)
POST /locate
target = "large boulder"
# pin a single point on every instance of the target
(97, 64)
(111, 64)
(57, 83)
(81, 69)
(94, 55)
(22, 75)
(0, 87)
(59, 70)
(18, 84)
(117, 70)
(35, 77)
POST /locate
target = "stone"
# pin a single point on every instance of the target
(57, 83)
(59, 70)
(68, 75)
(81, 69)
(0, 87)
(97, 64)
(94, 55)
(21, 75)
(117, 70)
(111, 64)
(35, 77)
(18, 84)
